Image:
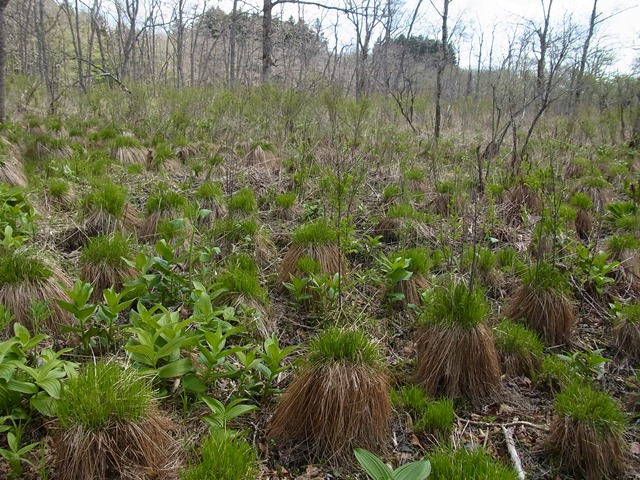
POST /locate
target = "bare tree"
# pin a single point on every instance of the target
(442, 63)
(3, 58)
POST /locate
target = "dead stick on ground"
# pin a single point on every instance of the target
(511, 445)
(517, 423)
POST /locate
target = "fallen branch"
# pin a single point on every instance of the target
(511, 445)
(517, 423)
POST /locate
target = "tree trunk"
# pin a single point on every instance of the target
(267, 41)
(232, 44)
(3, 58)
(442, 63)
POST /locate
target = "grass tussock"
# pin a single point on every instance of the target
(472, 464)
(543, 305)
(626, 331)
(102, 263)
(587, 436)
(26, 278)
(339, 402)
(520, 349)
(317, 241)
(12, 172)
(108, 425)
(223, 457)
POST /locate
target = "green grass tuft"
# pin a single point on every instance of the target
(22, 266)
(107, 250)
(420, 259)
(224, 458)
(617, 244)
(235, 230)
(286, 200)
(315, 233)
(545, 277)
(308, 266)
(109, 197)
(346, 346)
(209, 191)
(57, 187)
(243, 201)
(454, 305)
(516, 339)
(391, 191)
(104, 393)
(244, 282)
(401, 211)
(414, 175)
(630, 313)
(165, 200)
(580, 401)
(438, 418)
(476, 464)
(581, 201)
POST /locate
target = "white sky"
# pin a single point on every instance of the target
(620, 33)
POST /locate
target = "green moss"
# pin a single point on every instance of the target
(336, 345)
(318, 232)
(104, 393)
(454, 305)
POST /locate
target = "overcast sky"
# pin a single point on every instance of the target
(620, 33)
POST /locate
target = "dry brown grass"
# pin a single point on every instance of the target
(333, 409)
(131, 451)
(584, 224)
(19, 298)
(441, 205)
(329, 257)
(584, 450)
(130, 155)
(99, 222)
(458, 362)
(548, 313)
(12, 172)
(103, 276)
(626, 336)
(389, 229)
(411, 290)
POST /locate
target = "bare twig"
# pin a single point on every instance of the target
(515, 458)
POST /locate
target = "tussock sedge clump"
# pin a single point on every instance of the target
(224, 457)
(584, 216)
(457, 356)
(105, 210)
(109, 424)
(60, 192)
(285, 205)
(484, 261)
(340, 400)
(164, 204)
(210, 197)
(242, 203)
(25, 278)
(432, 417)
(520, 349)
(318, 241)
(472, 464)
(587, 435)
(542, 303)
(626, 330)
(12, 171)
(553, 373)
(102, 263)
